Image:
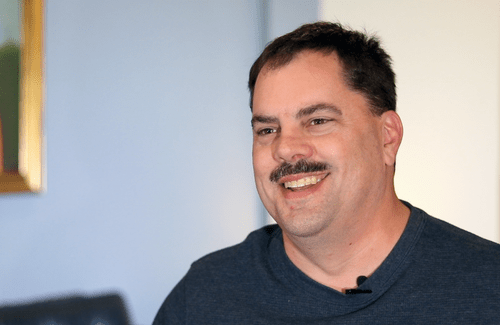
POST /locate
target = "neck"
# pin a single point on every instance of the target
(350, 247)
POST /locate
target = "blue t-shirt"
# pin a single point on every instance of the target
(436, 274)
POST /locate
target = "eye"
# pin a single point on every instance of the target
(320, 125)
(265, 131)
(318, 121)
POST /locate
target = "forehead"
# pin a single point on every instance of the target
(310, 79)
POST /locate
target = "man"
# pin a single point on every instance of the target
(346, 250)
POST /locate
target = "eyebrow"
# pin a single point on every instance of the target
(309, 110)
(306, 111)
(263, 119)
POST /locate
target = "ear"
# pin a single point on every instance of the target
(392, 136)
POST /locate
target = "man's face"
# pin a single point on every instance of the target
(304, 112)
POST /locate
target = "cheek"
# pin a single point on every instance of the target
(348, 154)
(262, 167)
(366, 160)
(261, 158)
(257, 163)
(331, 150)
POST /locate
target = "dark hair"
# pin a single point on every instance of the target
(366, 66)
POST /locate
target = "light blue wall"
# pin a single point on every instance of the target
(148, 150)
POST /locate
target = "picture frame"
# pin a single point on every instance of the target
(24, 171)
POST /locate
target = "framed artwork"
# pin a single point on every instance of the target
(21, 95)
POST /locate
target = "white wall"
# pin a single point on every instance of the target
(148, 150)
(446, 57)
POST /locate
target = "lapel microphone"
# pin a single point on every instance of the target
(359, 281)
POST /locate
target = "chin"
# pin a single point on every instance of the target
(300, 226)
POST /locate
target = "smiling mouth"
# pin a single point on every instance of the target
(303, 183)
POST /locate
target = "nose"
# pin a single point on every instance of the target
(291, 147)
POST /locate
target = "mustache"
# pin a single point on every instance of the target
(301, 166)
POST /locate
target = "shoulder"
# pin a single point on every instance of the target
(228, 260)
(444, 236)
(451, 269)
(446, 248)
(217, 281)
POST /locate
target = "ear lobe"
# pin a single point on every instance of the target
(393, 135)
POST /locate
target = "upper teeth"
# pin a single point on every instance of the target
(302, 182)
